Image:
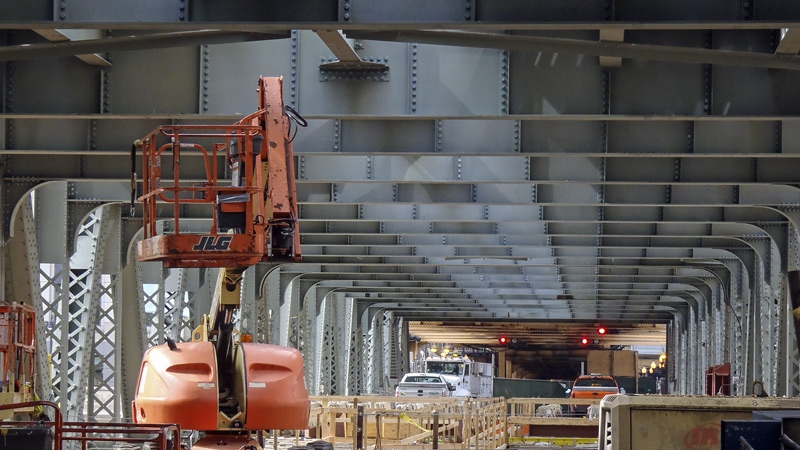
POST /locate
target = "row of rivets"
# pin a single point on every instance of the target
(707, 76)
(92, 139)
(206, 69)
(504, 82)
(293, 69)
(337, 135)
(346, 7)
(302, 167)
(106, 80)
(414, 61)
(439, 134)
(362, 75)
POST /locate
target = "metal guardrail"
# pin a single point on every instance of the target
(160, 436)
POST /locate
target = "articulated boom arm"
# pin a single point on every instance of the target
(278, 169)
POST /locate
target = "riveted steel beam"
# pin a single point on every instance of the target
(130, 43)
(592, 48)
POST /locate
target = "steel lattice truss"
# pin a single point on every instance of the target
(516, 164)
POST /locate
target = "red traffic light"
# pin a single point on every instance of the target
(584, 341)
(502, 340)
(601, 330)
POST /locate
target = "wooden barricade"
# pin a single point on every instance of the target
(424, 423)
(552, 417)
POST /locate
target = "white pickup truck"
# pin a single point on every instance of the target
(423, 385)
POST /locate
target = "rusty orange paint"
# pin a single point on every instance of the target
(257, 207)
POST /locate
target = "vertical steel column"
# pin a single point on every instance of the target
(289, 320)
(105, 381)
(262, 311)
(372, 350)
(763, 361)
(716, 341)
(25, 281)
(396, 357)
(352, 332)
(342, 348)
(50, 208)
(693, 363)
(682, 370)
(719, 350)
(792, 354)
(271, 291)
(54, 283)
(174, 300)
(326, 357)
(788, 373)
(389, 358)
(735, 322)
(82, 313)
(152, 302)
(312, 342)
(775, 300)
(247, 309)
(670, 350)
(752, 340)
(703, 351)
(292, 316)
(132, 336)
(401, 343)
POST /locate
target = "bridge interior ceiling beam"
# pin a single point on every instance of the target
(372, 14)
(529, 168)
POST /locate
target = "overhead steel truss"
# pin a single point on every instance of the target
(506, 161)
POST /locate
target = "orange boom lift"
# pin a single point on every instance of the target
(222, 383)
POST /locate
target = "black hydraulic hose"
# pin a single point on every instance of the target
(135, 144)
(295, 117)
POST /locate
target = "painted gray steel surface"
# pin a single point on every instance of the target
(485, 179)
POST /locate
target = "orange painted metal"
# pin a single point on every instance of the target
(258, 206)
(275, 388)
(17, 345)
(178, 386)
(181, 385)
(219, 383)
(203, 250)
(282, 192)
